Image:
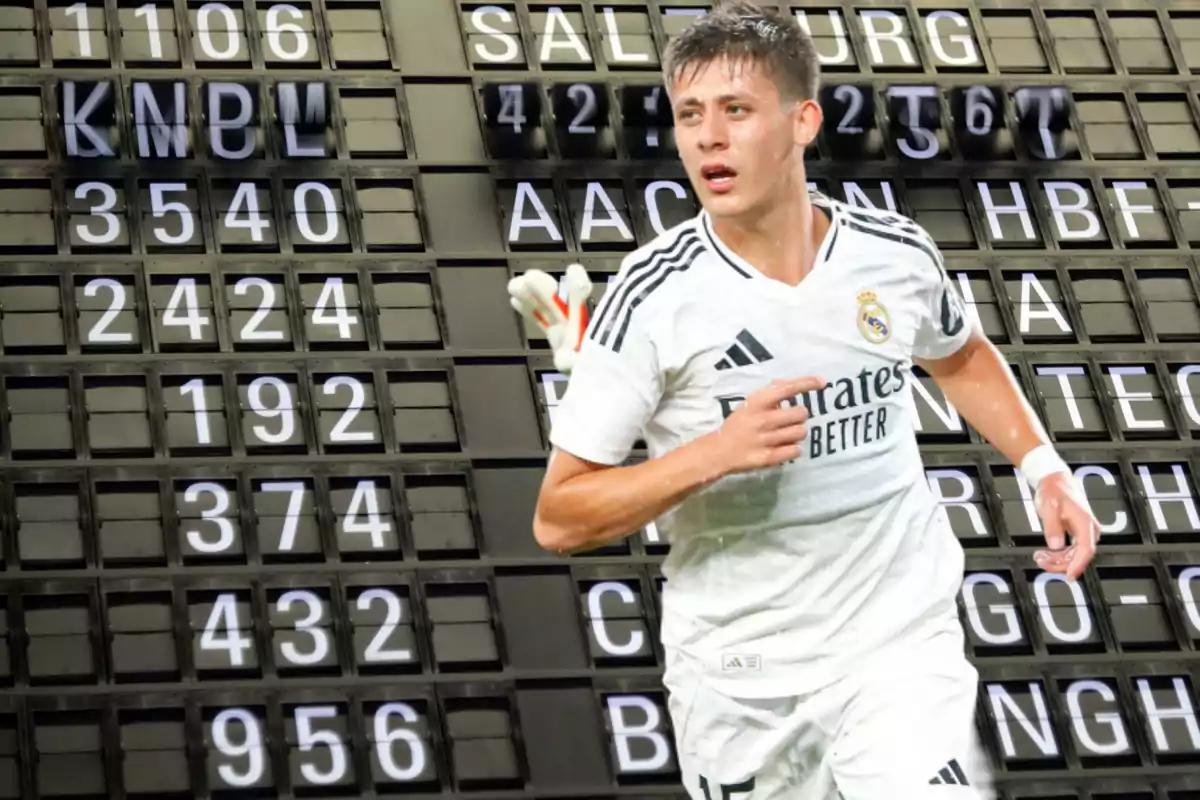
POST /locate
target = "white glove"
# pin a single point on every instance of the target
(558, 309)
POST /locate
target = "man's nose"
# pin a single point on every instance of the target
(713, 132)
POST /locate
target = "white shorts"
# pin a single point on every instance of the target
(902, 725)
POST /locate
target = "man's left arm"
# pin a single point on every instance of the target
(977, 380)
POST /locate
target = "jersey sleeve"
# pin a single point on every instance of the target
(614, 388)
(944, 326)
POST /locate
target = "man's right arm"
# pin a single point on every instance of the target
(584, 504)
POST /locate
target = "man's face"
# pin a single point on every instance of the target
(738, 139)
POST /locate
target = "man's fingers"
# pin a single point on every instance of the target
(1083, 555)
(785, 416)
(1051, 509)
(787, 452)
(776, 392)
(1057, 557)
(1072, 561)
(1065, 514)
(1056, 562)
(785, 436)
(1085, 533)
(1080, 523)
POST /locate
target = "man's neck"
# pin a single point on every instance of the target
(781, 244)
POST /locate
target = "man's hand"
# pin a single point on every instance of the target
(760, 433)
(559, 310)
(1065, 512)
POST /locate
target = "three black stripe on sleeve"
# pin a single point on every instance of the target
(612, 318)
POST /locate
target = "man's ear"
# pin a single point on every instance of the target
(807, 118)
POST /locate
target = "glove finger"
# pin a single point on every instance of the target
(541, 285)
(528, 310)
(576, 324)
(548, 305)
(525, 293)
(520, 287)
(564, 360)
(576, 282)
(557, 337)
(521, 293)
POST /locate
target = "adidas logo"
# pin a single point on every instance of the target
(745, 351)
(950, 775)
(734, 662)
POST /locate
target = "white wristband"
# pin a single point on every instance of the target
(1041, 461)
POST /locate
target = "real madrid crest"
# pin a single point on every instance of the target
(873, 321)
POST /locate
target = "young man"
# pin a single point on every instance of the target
(763, 352)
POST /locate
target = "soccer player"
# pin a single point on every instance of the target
(763, 351)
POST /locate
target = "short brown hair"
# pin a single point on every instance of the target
(744, 30)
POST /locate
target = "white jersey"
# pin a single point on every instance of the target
(779, 580)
